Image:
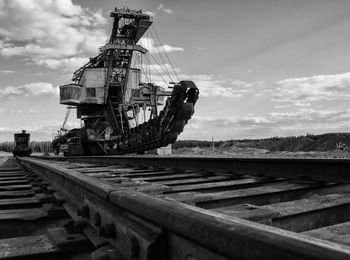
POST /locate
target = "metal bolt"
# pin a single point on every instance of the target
(101, 232)
(59, 201)
(37, 190)
(97, 219)
(49, 190)
(78, 227)
(100, 255)
(30, 173)
(42, 185)
(84, 211)
(134, 247)
(69, 225)
(110, 231)
(107, 231)
(105, 252)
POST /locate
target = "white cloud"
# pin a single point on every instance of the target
(150, 13)
(16, 111)
(6, 130)
(168, 48)
(212, 85)
(154, 48)
(299, 122)
(7, 71)
(67, 64)
(41, 132)
(308, 90)
(40, 30)
(57, 34)
(21, 111)
(157, 69)
(165, 10)
(209, 85)
(168, 11)
(32, 89)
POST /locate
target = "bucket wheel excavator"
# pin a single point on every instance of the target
(116, 101)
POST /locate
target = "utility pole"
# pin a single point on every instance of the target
(212, 143)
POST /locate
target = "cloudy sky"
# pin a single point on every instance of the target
(264, 67)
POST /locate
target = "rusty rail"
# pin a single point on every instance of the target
(337, 170)
(182, 227)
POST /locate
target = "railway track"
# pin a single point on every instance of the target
(118, 207)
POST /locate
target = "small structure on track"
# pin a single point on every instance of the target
(22, 144)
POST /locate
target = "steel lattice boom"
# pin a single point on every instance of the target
(109, 95)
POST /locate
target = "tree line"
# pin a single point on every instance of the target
(196, 143)
(37, 147)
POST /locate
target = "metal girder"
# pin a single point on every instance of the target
(127, 13)
(128, 47)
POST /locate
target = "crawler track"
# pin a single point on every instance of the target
(188, 208)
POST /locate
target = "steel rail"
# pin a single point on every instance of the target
(324, 170)
(230, 237)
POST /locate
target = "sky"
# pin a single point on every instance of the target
(264, 68)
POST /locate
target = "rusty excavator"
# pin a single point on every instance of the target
(117, 102)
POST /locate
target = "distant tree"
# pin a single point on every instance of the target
(40, 147)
